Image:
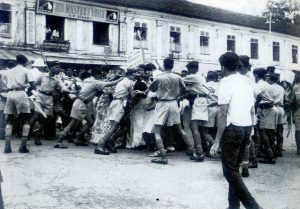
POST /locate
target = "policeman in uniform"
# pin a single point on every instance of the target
(266, 114)
(47, 85)
(195, 87)
(17, 80)
(278, 108)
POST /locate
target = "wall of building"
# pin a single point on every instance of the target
(159, 29)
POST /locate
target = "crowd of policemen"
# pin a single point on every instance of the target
(34, 96)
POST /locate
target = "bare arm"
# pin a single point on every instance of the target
(222, 121)
(111, 83)
(154, 86)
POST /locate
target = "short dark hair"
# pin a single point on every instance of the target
(11, 64)
(212, 76)
(150, 67)
(130, 71)
(260, 72)
(168, 63)
(274, 77)
(21, 59)
(230, 60)
(95, 72)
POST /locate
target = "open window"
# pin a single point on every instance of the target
(175, 39)
(140, 31)
(254, 48)
(204, 42)
(101, 33)
(294, 54)
(230, 43)
(54, 28)
(276, 51)
(5, 20)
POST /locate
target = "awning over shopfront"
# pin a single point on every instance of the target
(10, 54)
(71, 58)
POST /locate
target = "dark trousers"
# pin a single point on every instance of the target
(235, 140)
(279, 137)
(268, 140)
(2, 125)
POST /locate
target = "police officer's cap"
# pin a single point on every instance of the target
(131, 71)
(21, 59)
(192, 65)
(245, 60)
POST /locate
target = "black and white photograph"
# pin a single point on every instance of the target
(149, 104)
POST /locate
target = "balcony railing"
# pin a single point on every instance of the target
(175, 47)
(5, 29)
(204, 50)
(140, 44)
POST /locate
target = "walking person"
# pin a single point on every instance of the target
(236, 103)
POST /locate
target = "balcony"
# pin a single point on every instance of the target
(5, 30)
(175, 47)
(204, 50)
(140, 44)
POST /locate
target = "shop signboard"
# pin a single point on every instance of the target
(57, 46)
(77, 11)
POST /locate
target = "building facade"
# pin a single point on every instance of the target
(126, 33)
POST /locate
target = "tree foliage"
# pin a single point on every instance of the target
(283, 11)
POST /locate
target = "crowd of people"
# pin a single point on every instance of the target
(236, 112)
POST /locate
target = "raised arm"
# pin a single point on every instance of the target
(111, 83)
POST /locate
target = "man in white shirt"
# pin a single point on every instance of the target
(236, 102)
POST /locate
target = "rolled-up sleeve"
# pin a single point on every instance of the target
(225, 94)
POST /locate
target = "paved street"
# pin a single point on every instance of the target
(76, 178)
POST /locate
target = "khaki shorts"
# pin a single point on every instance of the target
(115, 111)
(267, 119)
(46, 104)
(167, 113)
(80, 110)
(279, 111)
(200, 109)
(212, 118)
(17, 102)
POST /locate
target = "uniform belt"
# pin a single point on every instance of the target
(278, 105)
(16, 89)
(84, 101)
(115, 98)
(46, 93)
(266, 105)
(201, 95)
(166, 100)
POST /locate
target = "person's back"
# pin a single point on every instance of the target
(169, 86)
(17, 77)
(241, 101)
